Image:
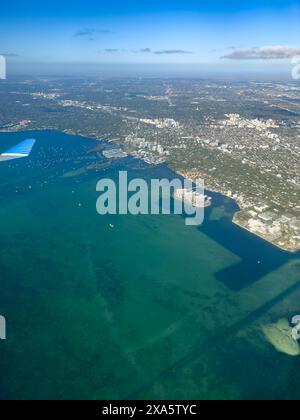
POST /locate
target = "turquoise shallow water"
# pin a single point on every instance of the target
(149, 309)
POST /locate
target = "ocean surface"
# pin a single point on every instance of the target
(148, 309)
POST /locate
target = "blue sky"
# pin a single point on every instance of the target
(184, 32)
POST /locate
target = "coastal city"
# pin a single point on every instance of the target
(243, 139)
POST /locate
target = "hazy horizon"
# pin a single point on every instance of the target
(210, 71)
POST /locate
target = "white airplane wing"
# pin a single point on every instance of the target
(21, 150)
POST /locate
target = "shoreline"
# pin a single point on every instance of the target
(184, 174)
(290, 251)
(193, 178)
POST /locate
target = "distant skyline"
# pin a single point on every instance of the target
(229, 34)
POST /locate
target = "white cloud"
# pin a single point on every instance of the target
(170, 52)
(269, 52)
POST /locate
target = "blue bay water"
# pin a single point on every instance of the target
(148, 309)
